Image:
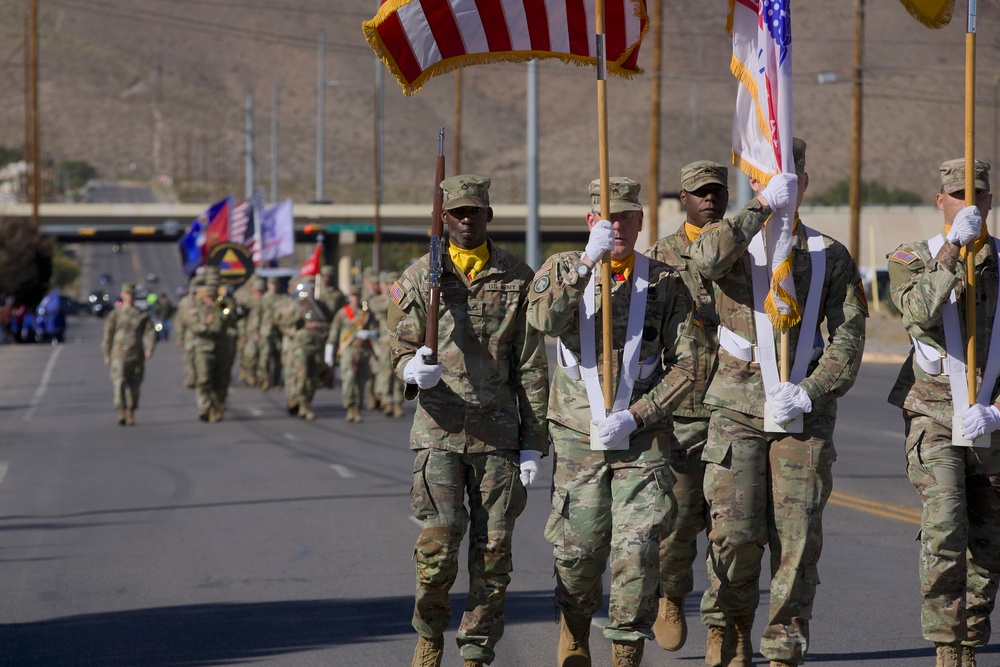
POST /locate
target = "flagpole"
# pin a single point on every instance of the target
(969, 251)
(602, 142)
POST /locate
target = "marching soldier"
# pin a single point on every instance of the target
(955, 476)
(388, 388)
(479, 429)
(185, 336)
(306, 325)
(210, 328)
(612, 482)
(352, 331)
(329, 296)
(129, 339)
(269, 364)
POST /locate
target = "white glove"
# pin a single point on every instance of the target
(966, 227)
(602, 240)
(788, 401)
(423, 375)
(328, 354)
(616, 426)
(780, 190)
(529, 465)
(979, 420)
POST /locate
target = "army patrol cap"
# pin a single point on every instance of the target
(799, 155)
(466, 190)
(953, 176)
(698, 174)
(354, 290)
(326, 270)
(128, 288)
(623, 194)
(259, 283)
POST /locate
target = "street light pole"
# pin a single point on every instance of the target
(320, 98)
(854, 196)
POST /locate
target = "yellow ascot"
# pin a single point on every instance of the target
(691, 231)
(469, 262)
(621, 269)
(977, 245)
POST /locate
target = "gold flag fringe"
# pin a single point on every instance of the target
(933, 17)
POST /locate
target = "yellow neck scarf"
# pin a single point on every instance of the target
(691, 231)
(621, 269)
(980, 240)
(469, 262)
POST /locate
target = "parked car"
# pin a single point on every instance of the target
(70, 306)
(100, 303)
(104, 279)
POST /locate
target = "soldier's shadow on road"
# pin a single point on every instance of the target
(217, 634)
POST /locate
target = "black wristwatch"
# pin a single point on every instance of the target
(582, 270)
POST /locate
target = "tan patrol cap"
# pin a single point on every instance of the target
(623, 194)
(326, 270)
(953, 175)
(466, 190)
(128, 288)
(698, 174)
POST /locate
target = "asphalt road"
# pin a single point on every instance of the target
(269, 540)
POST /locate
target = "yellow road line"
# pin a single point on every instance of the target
(136, 266)
(887, 510)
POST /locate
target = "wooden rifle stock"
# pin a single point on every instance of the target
(437, 248)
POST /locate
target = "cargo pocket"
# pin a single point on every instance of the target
(555, 527)
(517, 495)
(421, 501)
(716, 452)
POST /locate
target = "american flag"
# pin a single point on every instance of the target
(419, 39)
(242, 223)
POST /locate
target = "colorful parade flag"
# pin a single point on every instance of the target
(932, 13)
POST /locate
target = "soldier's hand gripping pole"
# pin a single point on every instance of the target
(437, 247)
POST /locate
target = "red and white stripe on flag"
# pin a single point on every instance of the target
(762, 129)
(239, 223)
(419, 39)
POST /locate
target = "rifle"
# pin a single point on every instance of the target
(437, 247)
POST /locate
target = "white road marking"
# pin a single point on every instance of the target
(44, 384)
(256, 412)
(291, 437)
(342, 470)
(3, 470)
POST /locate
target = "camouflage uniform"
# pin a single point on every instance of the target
(353, 353)
(128, 337)
(330, 297)
(679, 548)
(185, 336)
(245, 299)
(767, 488)
(388, 388)
(613, 503)
(210, 328)
(306, 325)
(250, 361)
(960, 524)
(269, 364)
(467, 432)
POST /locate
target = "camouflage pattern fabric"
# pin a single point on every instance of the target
(388, 388)
(750, 474)
(128, 335)
(625, 489)
(496, 498)
(331, 299)
(765, 475)
(959, 531)
(679, 549)
(185, 335)
(354, 355)
(610, 505)
(307, 327)
(269, 364)
(958, 487)
(211, 355)
(468, 431)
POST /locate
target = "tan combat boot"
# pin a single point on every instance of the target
(397, 410)
(713, 645)
(428, 652)
(968, 656)
(469, 662)
(948, 655)
(574, 643)
(130, 417)
(214, 415)
(738, 652)
(357, 414)
(121, 416)
(627, 653)
(670, 627)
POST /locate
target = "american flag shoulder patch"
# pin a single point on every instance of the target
(396, 292)
(903, 257)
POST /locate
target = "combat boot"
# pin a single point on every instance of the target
(130, 417)
(670, 627)
(468, 662)
(948, 655)
(626, 653)
(121, 416)
(397, 410)
(265, 385)
(306, 413)
(350, 414)
(428, 652)
(293, 409)
(738, 650)
(574, 643)
(203, 416)
(713, 645)
(214, 416)
(968, 656)
(780, 663)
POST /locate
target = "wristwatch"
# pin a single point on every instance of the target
(582, 270)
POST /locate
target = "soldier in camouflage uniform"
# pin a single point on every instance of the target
(960, 524)
(769, 488)
(250, 360)
(611, 496)
(269, 364)
(705, 196)
(352, 332)
(306, 325)
(210, 326)
(246, 299)
(479, 429)
(328, 295)
(129, 339)
(185, 337)
(388, 388)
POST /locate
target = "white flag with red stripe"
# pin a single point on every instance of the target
(419, 39)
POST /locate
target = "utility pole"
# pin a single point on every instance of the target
(320, 98)
(457, 134)
(251, 158)
(35, 159)
(654, 123)
(854, 196)
(531, 232)
(274, 142)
